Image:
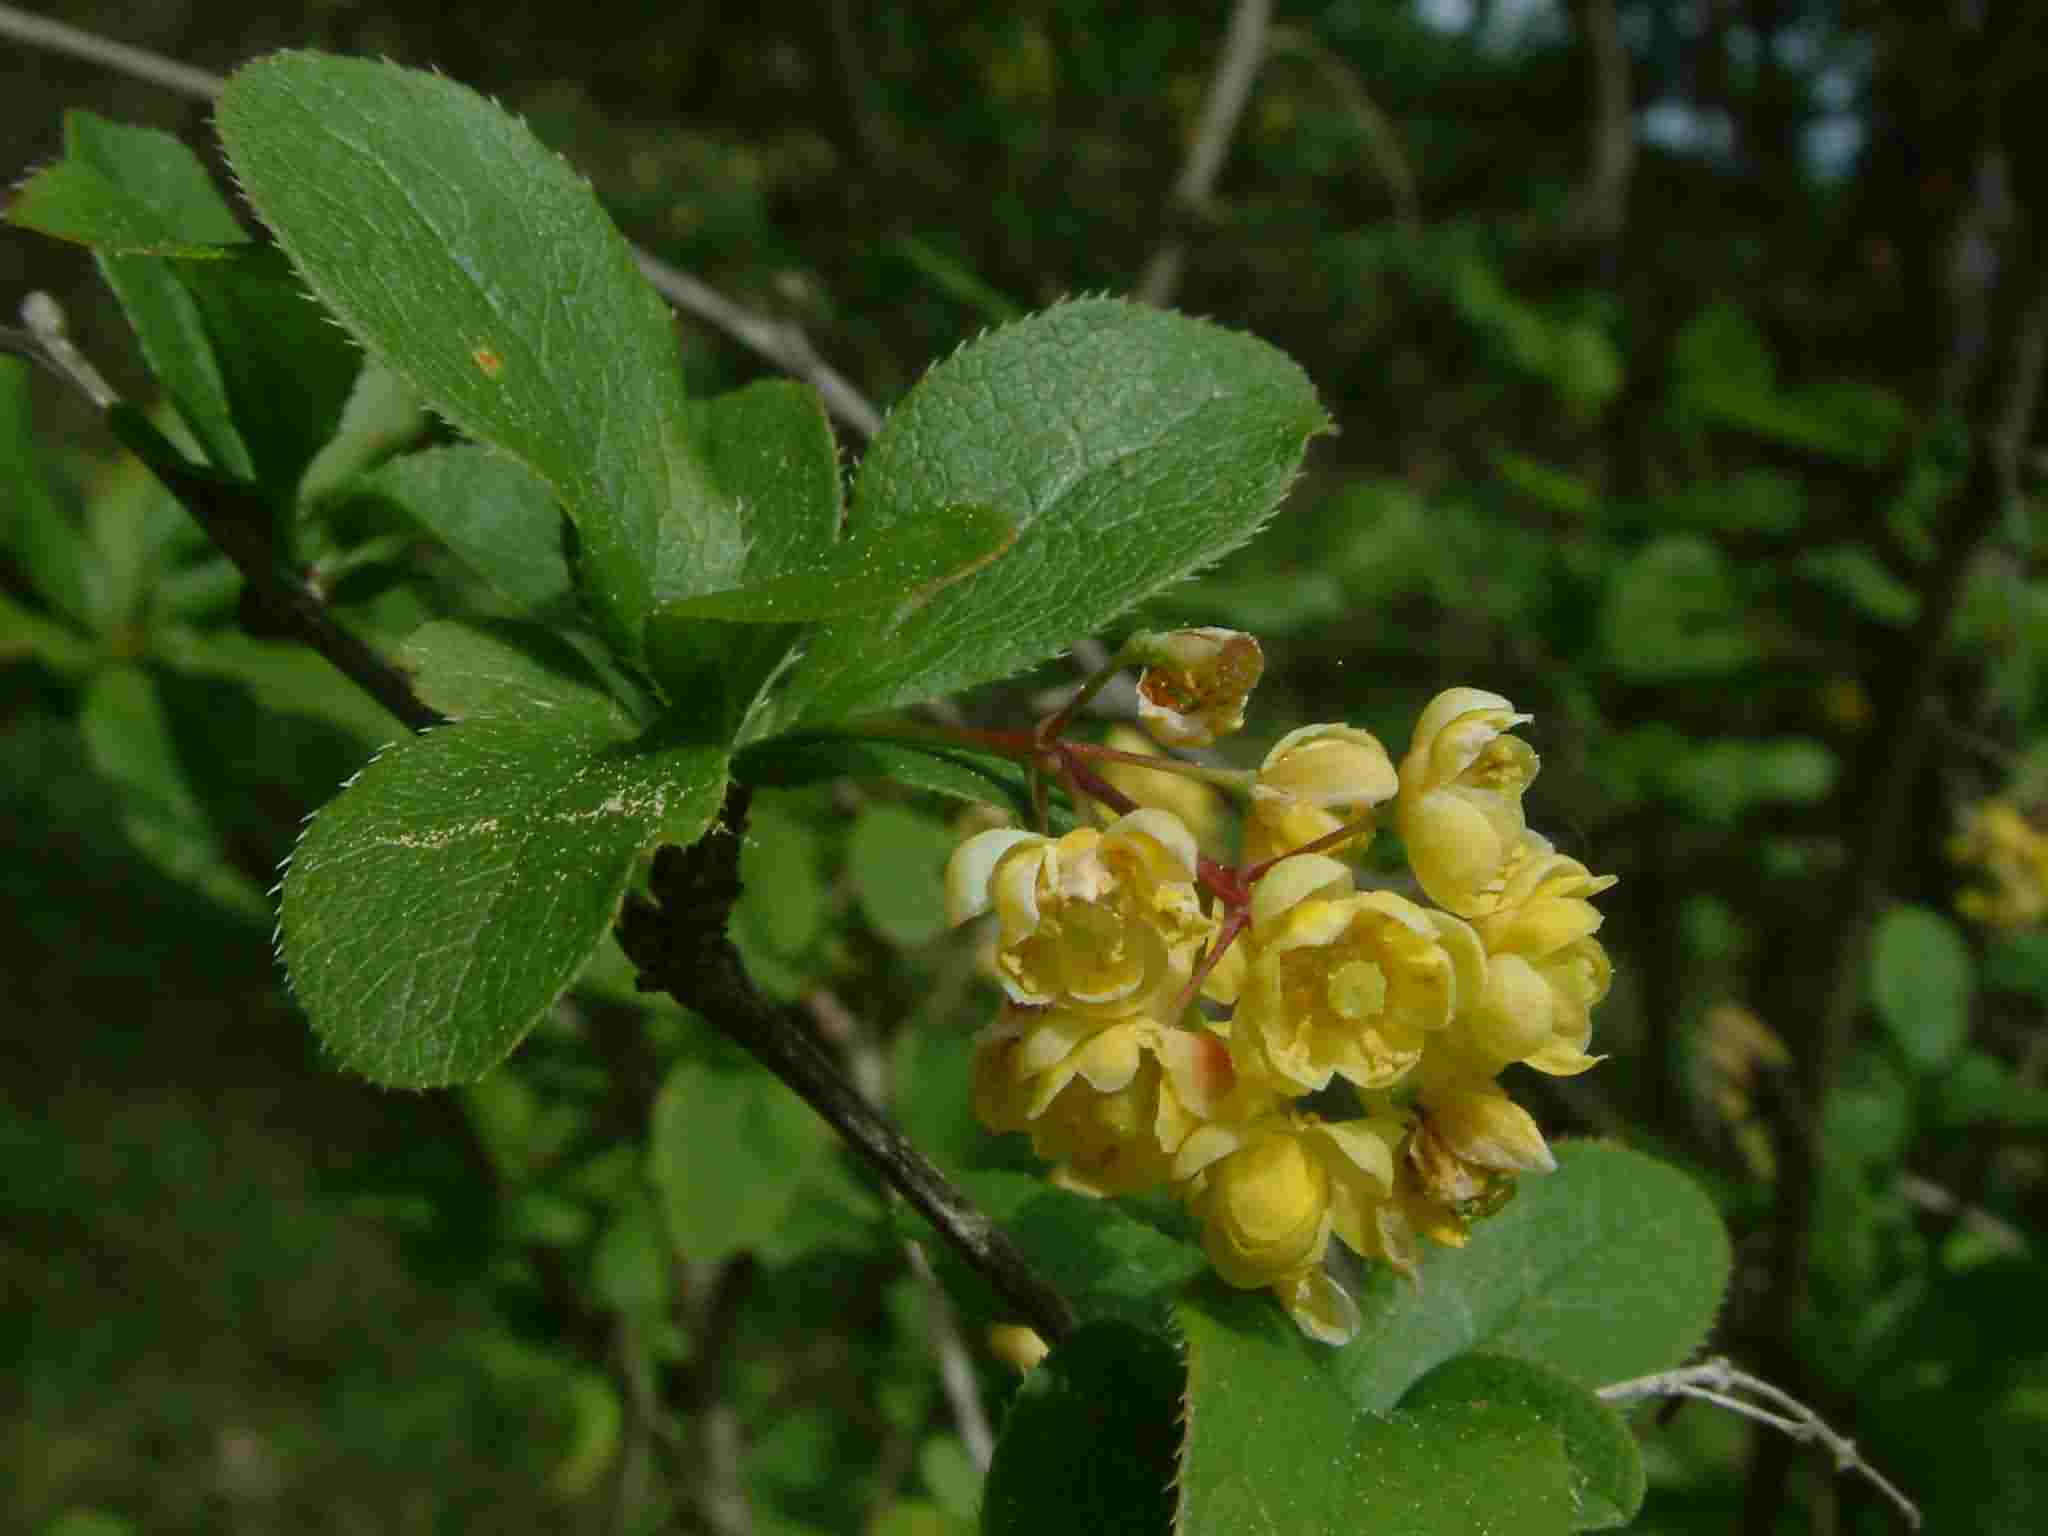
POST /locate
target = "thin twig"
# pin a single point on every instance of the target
(1993, 484)
(1718, 1382)
(870, 1070)
(782, 343)
(779, 341)
(234, 516)
(1603, 199)
(140, 63)
(1244, 49)
(678, 942)
(715, 1292)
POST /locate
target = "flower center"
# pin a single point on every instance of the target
(1357, 990)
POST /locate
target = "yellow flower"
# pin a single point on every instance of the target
(1460, 805)
(1195, 683)
(1316, 781)
(1469, 1142)
(1111, 1101)
(1997, 838)
(1201, 808)
(1346, 983)
(1017, 1345)
(1105, 922)
(1544, 972)
(1269, 1194)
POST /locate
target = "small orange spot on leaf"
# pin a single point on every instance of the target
(487, 361)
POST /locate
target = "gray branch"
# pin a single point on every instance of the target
(1719, 1383)
(781, 343)
(1244, 49)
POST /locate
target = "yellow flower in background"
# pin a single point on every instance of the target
(1201, 809)
(1316, 781)
(1346, 983)
(1195, 683)
(1460, 804)
(1014, 1344)
(1103, 921)
(1544, 972)
(1997, 839)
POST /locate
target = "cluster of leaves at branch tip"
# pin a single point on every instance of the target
(1106, 936)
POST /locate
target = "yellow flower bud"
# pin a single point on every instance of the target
(1264, 1210)
(1105, 922)
(1015, 1344)
(1346, 984)
(1195, 683)
(1545, 971)
(1316, 781)
(1200, 807)
(1460, 803)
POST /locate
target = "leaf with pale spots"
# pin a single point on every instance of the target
(436, 909)
(469, 259)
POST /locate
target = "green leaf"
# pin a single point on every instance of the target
(125, 189)
(728, 1151)
(1109, 1258)
(138, 196)
(1922, 981)
(1606, 1466)
(498, 519)
(129, 737)
(896, 861)
(1273, 1444)
(1088, 1444)
(2018, 962)
(1855, 572)
(1131, 445)
(1674, 611)
(467, 258)
(783, 900)
(900, 567)
(381, 417)
(42, 535)
(451, 893)
(483, 668)
(789, 762)
(286, 372)
(1609, 1268)
(281, 679)
(769, 450)
(629, 1268)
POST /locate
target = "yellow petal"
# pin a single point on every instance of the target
(969, 870)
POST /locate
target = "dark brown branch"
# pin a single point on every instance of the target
(679, 943)
(234, 515)
(238, 520)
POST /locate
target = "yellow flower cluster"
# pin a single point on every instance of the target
(1999, 841)
(1107, 934)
